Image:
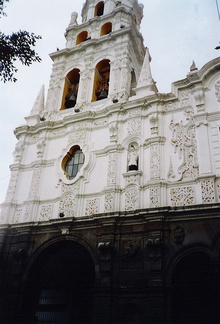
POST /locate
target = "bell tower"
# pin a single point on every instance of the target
(102, 59)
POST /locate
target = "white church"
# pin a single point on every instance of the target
(113, 206)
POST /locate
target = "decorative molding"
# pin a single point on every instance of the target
(112, 169)
(154, 197)
(109, 202)
(217, 90)
(92, 206)
(155, 161)
(67, 205)
(131, 198)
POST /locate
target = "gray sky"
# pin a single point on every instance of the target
(176, 32)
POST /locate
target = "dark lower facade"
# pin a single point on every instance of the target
(146, 266)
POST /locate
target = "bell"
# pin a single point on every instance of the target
(103, 95)
(71, 101)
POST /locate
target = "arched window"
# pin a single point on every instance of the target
(71, 89)
(73, 162)
(99, 9)
(101, 80)
(106, 29)
(82, 37)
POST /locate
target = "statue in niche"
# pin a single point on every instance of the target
(133, 157)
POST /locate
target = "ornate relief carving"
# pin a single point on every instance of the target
(154, 197)
(92, 206)
(18, 215)
(179, 234)
(131, 253)
(45, 212)
(182, 196)
(73, 188)
(184, 142)
(184, 98)
(3, 215)
(67, 205)
(132, 177)
(134, 113)
(79, 136)
(35, 182)
(154, 161)
(27, 213)
(12, 186)
(218, 190)
(217, 90)
(112, 169)
(169, 106)
(40, 147)
(208, 191)
(154, 123)
(131, 198)
(109, 202)
(19, 148)
(134, 126)
(113, 129)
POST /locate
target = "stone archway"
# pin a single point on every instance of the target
(60, 286)
(195, 290)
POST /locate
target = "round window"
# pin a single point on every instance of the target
(73, 162)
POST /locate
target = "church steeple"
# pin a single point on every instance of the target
(102, 59)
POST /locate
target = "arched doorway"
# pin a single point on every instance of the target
(195, 291)
(60, 286)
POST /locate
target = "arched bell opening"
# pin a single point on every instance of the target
(101, 80)
(195, 290)
(106, 29)
(71, 87)
(99, 9)
(82, 37)
(60, 286)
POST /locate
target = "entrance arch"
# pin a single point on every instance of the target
(60, 285)
(195, 290)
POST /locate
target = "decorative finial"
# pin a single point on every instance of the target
(193, 67)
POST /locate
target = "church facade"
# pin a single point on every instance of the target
(112, 213)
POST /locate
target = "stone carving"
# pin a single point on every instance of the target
(134, 113)
(171, 105)
(67, 205)
(182, 196)
(134, 126)
(18, 215)
(45, 212)
(132, 178)
(131, 254)
(131, 198)
(109, 202)
(154, 123)
(35, 182)
(170, 173)
(19, 148)
(154, 161)
(199, 99)
(112, 169)
(40, 147)
(73, 188)
(184, 98)
(27, 213)
(217, 90)
(179, 234)
(133, 157)
(86, 80)
(154, 197)
(92, 206)
(184, 142)
(208, 191)
(79, 136)
(12, 186)
(3, 214)
(218, 190)
(113, 129)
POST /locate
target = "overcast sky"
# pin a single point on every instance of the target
(176, 32)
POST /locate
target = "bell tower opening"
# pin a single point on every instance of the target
(82, 37)
(99, 9)
(60, 286)
(101, 80)
(106, 29)
(71, 89)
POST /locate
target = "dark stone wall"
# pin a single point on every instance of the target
(137, 258)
